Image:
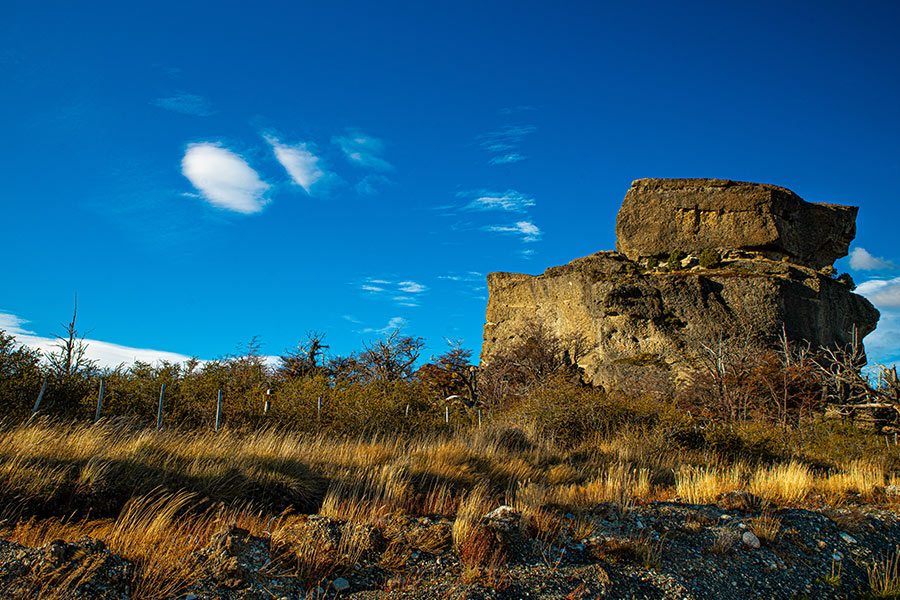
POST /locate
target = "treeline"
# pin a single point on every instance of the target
(382, 388)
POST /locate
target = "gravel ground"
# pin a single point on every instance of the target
(660, 550)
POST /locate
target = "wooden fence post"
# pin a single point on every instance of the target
(159, 410)
(479, 417)
(99, 401)
(319, 410)
(218, 409)
(268, 403)
(447, 414)
(40, 397)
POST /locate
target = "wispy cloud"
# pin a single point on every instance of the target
(299, 162)
(504, 143)
(105, 353)
(394, 323)
(510, 200)
(883, 293)
(372, 184)
(468, 276)
(861, 260)
(362, 150)
(528, 230)
(186, 104)
(224, 179)
(505, 159)
(411, 287)
(512, 110)
(403, 293)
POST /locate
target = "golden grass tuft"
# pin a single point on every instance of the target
(766, 526)
(784, 484)
(884, 576)
(701, 485)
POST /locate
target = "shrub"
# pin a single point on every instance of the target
(847, 280)
(652, 262)
(710, 259)
(675, 258)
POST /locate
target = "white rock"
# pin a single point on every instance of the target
(750, 540)
(340, 585)
(501, 513)
(848, 538)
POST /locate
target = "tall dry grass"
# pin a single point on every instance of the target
(160, 534)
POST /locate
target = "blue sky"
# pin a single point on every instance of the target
(202, 173)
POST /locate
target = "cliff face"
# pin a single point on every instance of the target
(639, 318)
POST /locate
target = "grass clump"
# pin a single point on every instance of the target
(884, 577)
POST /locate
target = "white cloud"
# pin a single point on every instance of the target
(510, 200)
(883, 293)
(405, 300)
(186, 104)
(362, 150)
(106, 354)
(301, 164)
(528, 230)
(411, 287)
(224, 179)
(469, 276)
(394, 323)
(881, 345)
(402, 293)
(861, 260)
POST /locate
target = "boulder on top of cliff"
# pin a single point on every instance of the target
(662, 215)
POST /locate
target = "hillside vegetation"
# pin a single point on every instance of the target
(402, 464)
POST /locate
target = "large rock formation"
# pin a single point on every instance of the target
(636, 316)
(661, 215)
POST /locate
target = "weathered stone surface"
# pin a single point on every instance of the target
(661, 215)
(644, 326)
(639, 322)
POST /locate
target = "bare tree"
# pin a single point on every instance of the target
(538, 355)
(70, 358)
(848, 386)
(305, 358)
(391, 358)
(451, 376)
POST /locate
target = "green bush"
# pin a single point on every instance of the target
(569, 413)
(652, 262)
(675, 258)
(710, 259)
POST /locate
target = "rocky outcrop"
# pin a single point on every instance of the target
(661, 215)
(640, 319)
